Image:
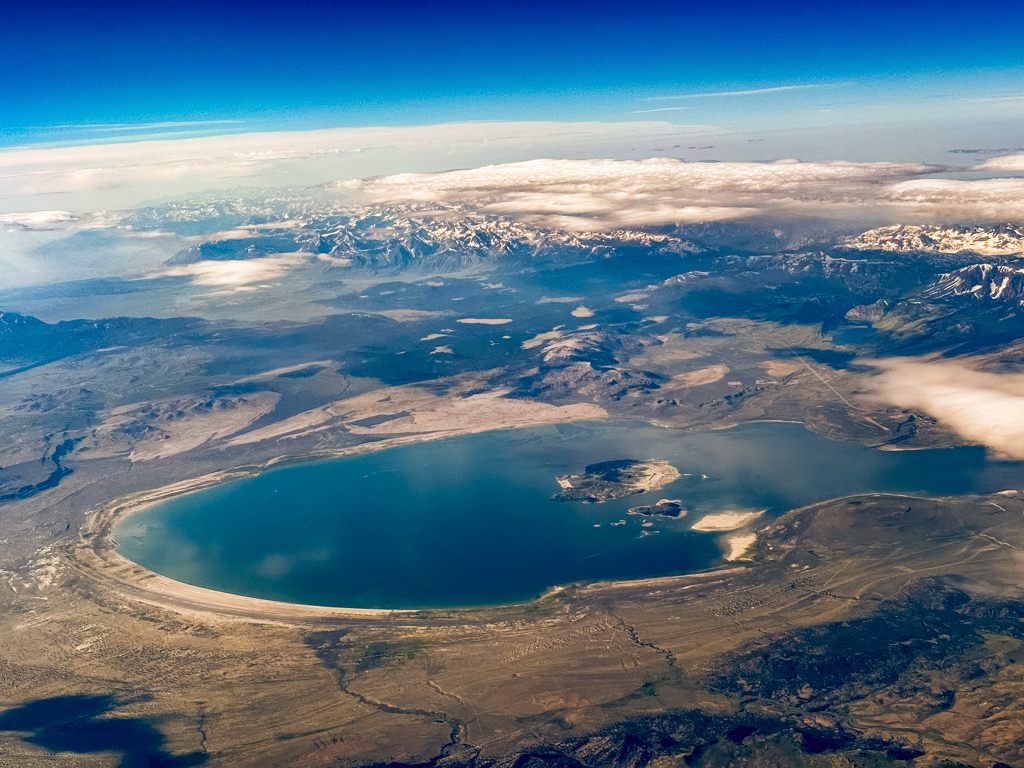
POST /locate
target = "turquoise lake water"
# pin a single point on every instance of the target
(471, 520)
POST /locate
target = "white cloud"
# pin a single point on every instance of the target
(237, 274)
(1011, 163)
(130, 173)
(38, 220)
(658, 109)
(135, 127)
(954, 199)
(997, 99)
(743, 92)
(589, 195)
(595, 195)
(984, 408)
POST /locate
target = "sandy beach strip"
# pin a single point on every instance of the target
(725, 521)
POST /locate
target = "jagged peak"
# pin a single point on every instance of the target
(983, 281)
(998, 240)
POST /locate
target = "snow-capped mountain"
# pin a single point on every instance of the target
(985, 282)
(398, 239)
(1002, 240)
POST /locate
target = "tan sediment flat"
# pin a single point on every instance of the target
(542, 338)
(738, 545)
(421, 410)
(481, 413)
(582, 311)
(778, 368)
(701, 376)
(674, 348)
(658, 474)
(725, 521)
(484, 320)
(409, 315)
(275, 372)
(559, 299)
(632, 297)
(178, 425)
(681, 582)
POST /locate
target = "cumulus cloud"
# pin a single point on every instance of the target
(606, 194)
(984, 408)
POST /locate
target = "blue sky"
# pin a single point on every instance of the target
(233, 66)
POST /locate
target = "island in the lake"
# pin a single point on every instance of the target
(662, 508)
(616, 480)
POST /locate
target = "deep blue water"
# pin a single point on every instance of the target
(471, 520)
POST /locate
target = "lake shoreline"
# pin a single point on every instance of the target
(97, 552)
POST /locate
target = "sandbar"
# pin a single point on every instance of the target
(725, 521)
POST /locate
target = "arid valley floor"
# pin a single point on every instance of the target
(870, 630)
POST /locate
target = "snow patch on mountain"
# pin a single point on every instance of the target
(985, 282)
(1002, 240)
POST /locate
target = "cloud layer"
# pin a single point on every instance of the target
(1010, 163)
(949, 200)
(605, 194)
(126, 174)
(42, 221)
(983, 408)
(569, 193)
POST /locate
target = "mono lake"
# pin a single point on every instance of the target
(471, 520)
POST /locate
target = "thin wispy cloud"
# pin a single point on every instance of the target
(657, 109)
(112, 128)
(745, 92)
(996, 99)
(127, 127)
